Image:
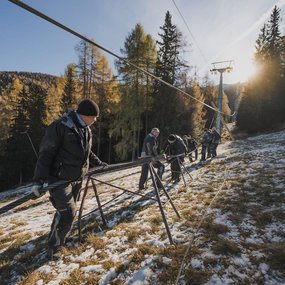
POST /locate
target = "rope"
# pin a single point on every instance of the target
(196, 232)
(45, 17)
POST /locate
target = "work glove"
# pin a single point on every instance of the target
(162, 156)
(104, 164)
(36, 189)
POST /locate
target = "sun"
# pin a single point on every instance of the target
(243, 70)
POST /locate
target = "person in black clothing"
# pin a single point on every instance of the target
(150, 149)
(64, 155)
(175, 147)
(192, 147)
(216, 138)
(206, 141)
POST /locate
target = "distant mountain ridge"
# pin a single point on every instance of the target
(8, 77)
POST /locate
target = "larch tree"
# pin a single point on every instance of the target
(139, 48)
(108, 98)
(70, 95)
(88, 56)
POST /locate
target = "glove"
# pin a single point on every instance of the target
(36, 189)
(104, 164)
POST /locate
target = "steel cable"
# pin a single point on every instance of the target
(56, 23)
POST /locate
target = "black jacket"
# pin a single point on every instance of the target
(176, 148)
(65, 151)
(150, 146)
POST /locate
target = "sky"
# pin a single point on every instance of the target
(215, 30)
(231, 215)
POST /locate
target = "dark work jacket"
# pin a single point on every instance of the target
(216, 137)
(65, 151)
(150, 146)
(207, 138)
(175, 148)
(192, 144)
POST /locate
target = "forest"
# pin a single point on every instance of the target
(132, 103)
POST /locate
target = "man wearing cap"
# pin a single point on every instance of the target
(149, 149)
(177, 149)
(65, 153)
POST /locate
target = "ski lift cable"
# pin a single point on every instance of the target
(197, 228)
(191, 34)
(52, 21)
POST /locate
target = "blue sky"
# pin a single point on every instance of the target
(222, 30)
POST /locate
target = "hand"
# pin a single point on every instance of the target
(104, 164)
(162, 156)
(36, 189)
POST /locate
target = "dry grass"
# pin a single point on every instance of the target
(96, 242)
(77, 277)
(32, 278)
(226, 247)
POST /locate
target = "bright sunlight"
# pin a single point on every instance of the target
(243, 70)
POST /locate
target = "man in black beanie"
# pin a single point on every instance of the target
(65, 153)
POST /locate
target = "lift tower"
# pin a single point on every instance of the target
(221, 67)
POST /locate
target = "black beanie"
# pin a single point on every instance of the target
(171, 138)
(88, 107)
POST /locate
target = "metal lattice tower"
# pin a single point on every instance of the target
(221, 67)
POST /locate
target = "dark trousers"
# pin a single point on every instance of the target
(144, 173)
(213, 149)
(193, 151)
(204, 151)
(63, 199)
(175, 166)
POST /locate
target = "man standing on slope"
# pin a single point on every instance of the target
(64, 155)
(149, 149)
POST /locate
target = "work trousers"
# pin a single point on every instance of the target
(144, 173)
(63, 198)
(175, 166)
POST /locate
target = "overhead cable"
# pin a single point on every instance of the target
(191, 34)
(45, 17)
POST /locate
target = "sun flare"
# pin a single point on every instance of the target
(242, 71)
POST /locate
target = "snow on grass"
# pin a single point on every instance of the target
(241, 237)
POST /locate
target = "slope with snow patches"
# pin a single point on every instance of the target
(232, 224)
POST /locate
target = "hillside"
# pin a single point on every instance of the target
(8, 77)
(231, 227)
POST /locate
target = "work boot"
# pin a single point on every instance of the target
(54, 252)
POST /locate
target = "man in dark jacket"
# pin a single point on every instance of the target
(176, 148)
(216, 138)
(192, 147)
(150, 149)
(206, 141)
(64, 155)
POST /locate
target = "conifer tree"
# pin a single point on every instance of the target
(108, 98)
(266, 91)
(168, 67)
(8, 100)
(139, 48)
(20, 157)
(53, 101)
(88, 56)
(70, 96)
